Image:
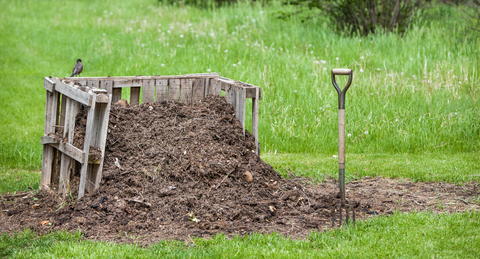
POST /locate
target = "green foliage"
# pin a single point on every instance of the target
(201, 3)
(206, 3)
(367, 16)
(474, 17)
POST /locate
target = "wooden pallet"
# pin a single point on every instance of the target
(63, 101)
(66, 96)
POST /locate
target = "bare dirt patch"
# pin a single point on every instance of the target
(189, 171)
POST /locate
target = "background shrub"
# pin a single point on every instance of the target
(474, 16)
(367, 16)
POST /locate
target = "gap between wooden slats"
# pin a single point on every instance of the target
(134, 95)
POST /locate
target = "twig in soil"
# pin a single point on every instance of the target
(208, 193)
(16, 195)
(417, 202)
(114, 215)
(147, 204)
(413, 196)
(464, 201)
(223, 180)
(115, 141)
(190, 177)
(309, 205)
(138, 145)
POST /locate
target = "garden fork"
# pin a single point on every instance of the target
(341, 147)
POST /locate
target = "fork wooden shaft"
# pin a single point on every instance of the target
(341, 153)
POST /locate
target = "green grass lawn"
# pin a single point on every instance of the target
(412, 111)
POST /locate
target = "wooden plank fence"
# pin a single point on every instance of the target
(184, 88)
(65, 98)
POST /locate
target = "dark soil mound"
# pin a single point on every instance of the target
(173, 171)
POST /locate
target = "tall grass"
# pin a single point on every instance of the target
(410, 95)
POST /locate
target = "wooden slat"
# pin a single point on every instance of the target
(68, 133)
(64, 101)
(70, 136)
(93, 83)
(226, 83)
(56, 154)
(72, 92)
(64, 159)
(240, 94)
(208, 86)
(252, 91)
(134, 95)
(66, 148)
(127, 78)
(202, 75)
(99, 134)
(174, 89)
(47, 160)
(100, 142)
(255, 108)
(127, 83)
(48, 84)
(49, 140)
(107, 85)
(186, 91)
(229, 94)
(161, 89)
(86, 147)
(198, 92)
(71, 151)
(216, 87)
(236, 95)
(148, 91)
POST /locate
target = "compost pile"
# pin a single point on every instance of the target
(172, 171)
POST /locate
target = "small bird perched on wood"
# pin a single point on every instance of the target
(78, 68)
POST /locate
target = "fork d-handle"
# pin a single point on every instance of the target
(341, 127)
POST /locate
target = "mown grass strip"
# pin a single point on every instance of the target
(416, 235)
